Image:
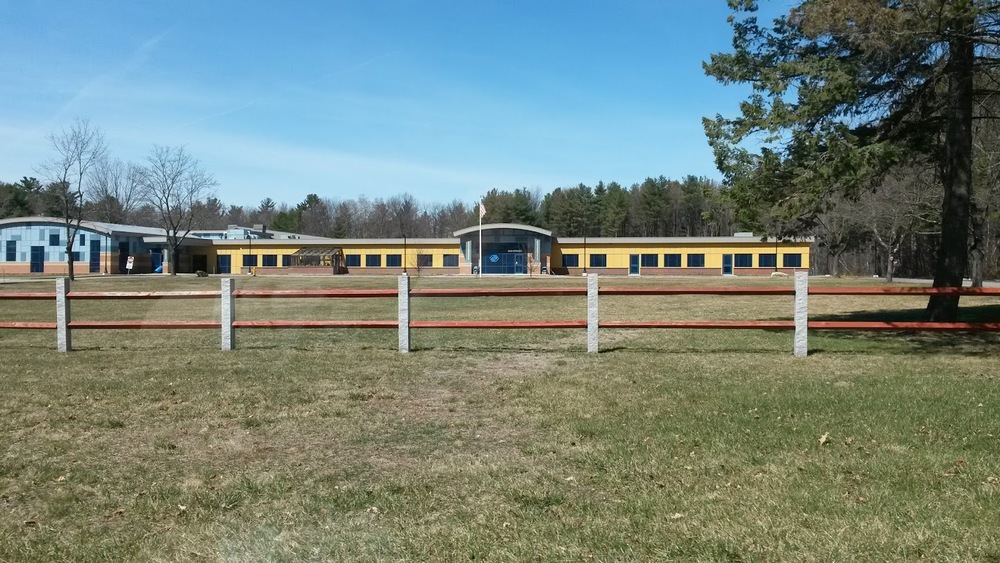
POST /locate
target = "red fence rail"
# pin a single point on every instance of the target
(800, 324)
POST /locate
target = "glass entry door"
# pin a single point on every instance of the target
(504, 263)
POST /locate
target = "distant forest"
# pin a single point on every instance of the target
(889, 231)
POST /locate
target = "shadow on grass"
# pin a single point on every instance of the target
(965, 343)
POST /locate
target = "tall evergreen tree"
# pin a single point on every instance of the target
(843, 90)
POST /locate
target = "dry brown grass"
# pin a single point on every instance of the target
(501, 445)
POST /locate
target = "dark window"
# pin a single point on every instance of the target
(598, 260)
(353, 260)
(54, 240)
(451, 260)
(269, 260)
(791, 260)
(249, 260)
(767, 260)
(671, 260)
(650, 261)
(571, 260)
(83, 239)
(76, 256)
(425, 260)
(744, 260)
(373, 260)
(286, 260)
(393, 260)
(12, 251)
(696, 260)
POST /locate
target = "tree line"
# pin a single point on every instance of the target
(889, 231)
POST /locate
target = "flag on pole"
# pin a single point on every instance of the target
(482, 210)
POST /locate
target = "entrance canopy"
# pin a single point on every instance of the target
(508, 248)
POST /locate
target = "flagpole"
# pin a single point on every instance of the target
(481, 208)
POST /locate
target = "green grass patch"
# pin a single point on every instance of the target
(498, 445)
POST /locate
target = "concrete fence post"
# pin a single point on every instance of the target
(64, 338)
(227, 314)
(404, 313)
(593, 345)
(801, 314)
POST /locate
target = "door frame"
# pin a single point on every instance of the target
(633, 265)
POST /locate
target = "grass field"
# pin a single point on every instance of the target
(496, 445)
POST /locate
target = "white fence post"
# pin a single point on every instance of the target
(592, 339)
(227, 314)
(404, 313)
(801, 314)
(64, 338)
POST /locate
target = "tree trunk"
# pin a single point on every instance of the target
(70, 239)
(174, 261)
(952, 257)
(977, 254)
(890, 266)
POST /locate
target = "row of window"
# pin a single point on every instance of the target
(55, 240)
(10, 254)
(693, 260)
(267, 260)
(354, 260)
(396, 260)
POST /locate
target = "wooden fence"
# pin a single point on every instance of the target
(228, 324)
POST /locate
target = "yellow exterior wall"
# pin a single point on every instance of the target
(618, 254)
(437, 253)
(236, 250)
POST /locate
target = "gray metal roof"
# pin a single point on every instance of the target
(99, 226)
(339, 241)
(680, 240)
(475, 229)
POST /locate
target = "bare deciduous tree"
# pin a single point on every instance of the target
(173, 181)
(78, 150)
(114, 190)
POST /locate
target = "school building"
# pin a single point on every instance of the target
(38, 245)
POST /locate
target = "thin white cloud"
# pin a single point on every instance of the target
(104, 81)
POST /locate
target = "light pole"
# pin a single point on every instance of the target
(775, 253)
(404, 253)
(584, 252)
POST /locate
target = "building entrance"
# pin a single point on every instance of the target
(505, 258)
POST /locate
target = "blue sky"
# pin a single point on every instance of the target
(440, 99)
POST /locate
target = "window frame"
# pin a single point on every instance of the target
(571, 260)
(269, 260)
(767, 260)
(352, 260)
(745, 256)
(598, 260)
(673, 260)
(393, 260)
(425, 260)
(373, 260)
(249, 260)
(450, 260)
(695, 260)
(649, 260)
(796, 261)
